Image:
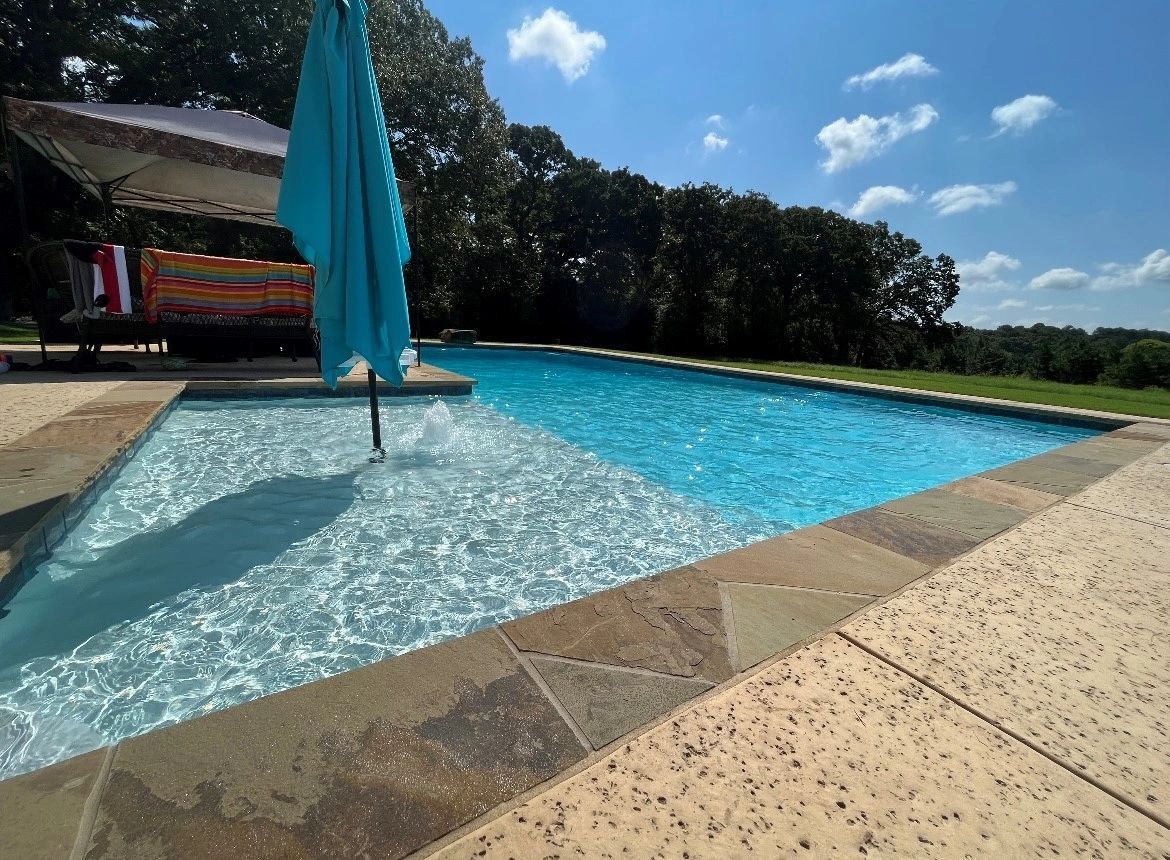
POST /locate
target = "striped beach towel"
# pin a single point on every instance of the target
(192, 283)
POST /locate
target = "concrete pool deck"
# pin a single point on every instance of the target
(969, 669)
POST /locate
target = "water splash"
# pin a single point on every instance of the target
(437, 426)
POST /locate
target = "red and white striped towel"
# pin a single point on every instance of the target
(110, 278)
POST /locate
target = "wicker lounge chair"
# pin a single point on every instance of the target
(56, 295)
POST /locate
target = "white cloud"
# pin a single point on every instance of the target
(1153, 269)
(979, 320)
(715, 119)
(906, 66)
(1063, 279)
(1074, 307)
(1020, 115)
(1011, 304)
(714, 143)
(988, 273)
(555, 38)
(960, 198)
(850, 142)
(879, 197)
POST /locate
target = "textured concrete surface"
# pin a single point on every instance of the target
(371, 763)
(769, 618)
(40, 811)
(967, 515)
(829, 752)
(921, 541)
(670, 623)
(1000, 493)
(816, 557)
(608, 702)
(1057, 630)
(1140, 492)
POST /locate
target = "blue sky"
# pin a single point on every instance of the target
(1058, 212)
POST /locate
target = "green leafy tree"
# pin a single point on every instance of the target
(1143, 364)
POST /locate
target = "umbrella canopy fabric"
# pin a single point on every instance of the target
(222, 164)
(340, 200)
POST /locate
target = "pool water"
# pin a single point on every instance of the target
(250, 546)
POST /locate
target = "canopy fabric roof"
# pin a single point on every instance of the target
(222, 164)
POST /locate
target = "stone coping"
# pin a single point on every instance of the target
(50, 476)
(403, 755)
(1088, 418)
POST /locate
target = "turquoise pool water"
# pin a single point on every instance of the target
(249, 546)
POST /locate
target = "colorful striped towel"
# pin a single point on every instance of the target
(192, 283)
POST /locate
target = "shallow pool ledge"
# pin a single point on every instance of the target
(49, 476)
(404, 755)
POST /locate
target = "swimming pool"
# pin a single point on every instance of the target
(249, 546)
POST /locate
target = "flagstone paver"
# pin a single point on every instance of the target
(769, 618)
(1120, 451)
(816, 557)
(929, 544)
(1160, 432)
(609, 702)
(1043, 475)
(40, 811)
(1057, 630)
(26, 406)
(374, 762)
(670, 623)
(973, 517)
(829, 752)
(1002, 493)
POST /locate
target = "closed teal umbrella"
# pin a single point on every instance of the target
(340, 200)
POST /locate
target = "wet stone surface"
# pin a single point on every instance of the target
(40, 811)
(371, 763)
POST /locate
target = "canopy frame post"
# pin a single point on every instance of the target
(13, 149)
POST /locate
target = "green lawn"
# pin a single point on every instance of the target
(1154, 403)
(18, 332)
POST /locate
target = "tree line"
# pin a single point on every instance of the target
(514, 234)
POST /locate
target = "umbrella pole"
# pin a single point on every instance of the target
(375, 420)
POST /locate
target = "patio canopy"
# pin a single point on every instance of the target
(223, 164)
